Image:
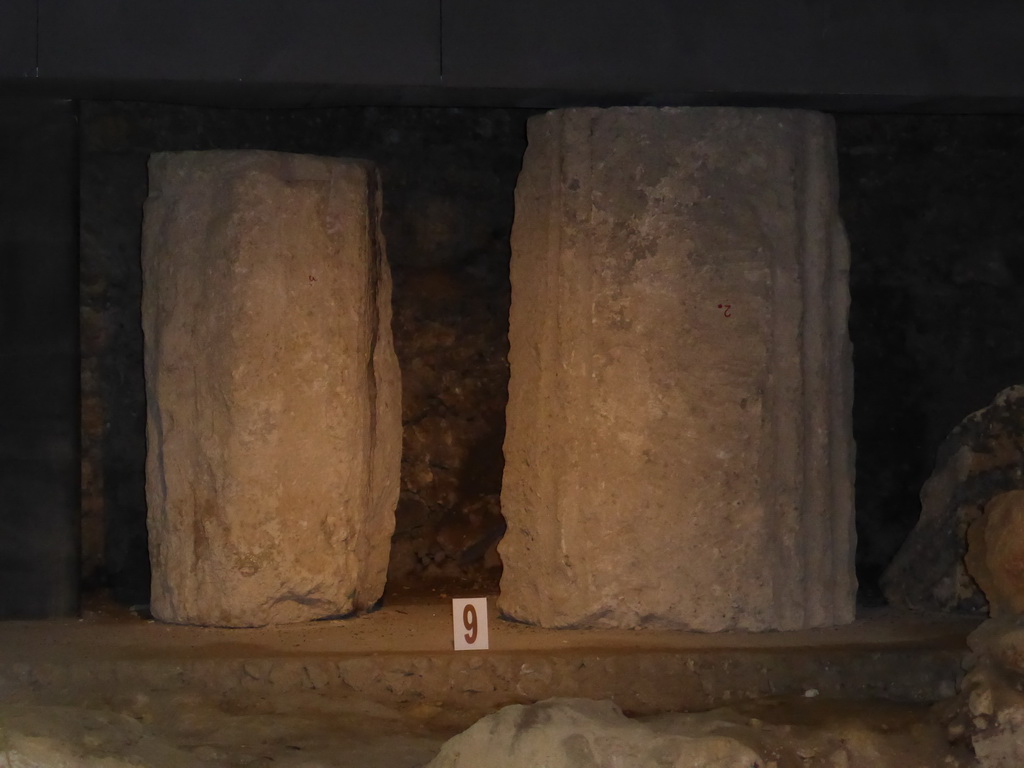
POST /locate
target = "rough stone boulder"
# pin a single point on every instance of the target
(274, 433)
(679, 444)
(989, 715)
(995, 553)
(580, 733)
(981, 458)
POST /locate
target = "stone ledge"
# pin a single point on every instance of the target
(402, 654)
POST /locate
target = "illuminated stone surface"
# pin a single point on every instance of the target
(679, 446)
(273, 390)
(995, 554)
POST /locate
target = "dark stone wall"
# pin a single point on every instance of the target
(39, 464)
(934, 208)
(448, 177)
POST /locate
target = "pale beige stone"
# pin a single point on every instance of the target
(679, 445)
(272, 385)
(995, 554)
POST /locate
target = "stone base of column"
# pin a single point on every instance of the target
(679, 446)
(273, 389)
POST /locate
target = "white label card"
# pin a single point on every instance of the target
(469, 614)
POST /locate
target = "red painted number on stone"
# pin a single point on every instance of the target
(312, 279)
(469, 622)
(727, 308)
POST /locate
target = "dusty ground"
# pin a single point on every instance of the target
(386, 689)
(165, 730)
(192, 729)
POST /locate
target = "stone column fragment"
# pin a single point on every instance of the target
(274, 434)
(679, 446)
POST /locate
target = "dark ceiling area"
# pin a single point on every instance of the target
(936, 56)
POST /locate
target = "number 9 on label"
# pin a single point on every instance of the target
(469, 615)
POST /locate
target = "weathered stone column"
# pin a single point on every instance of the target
(679, 446)
(273, 389)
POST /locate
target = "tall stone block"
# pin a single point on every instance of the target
(679, 448)
(274, 434)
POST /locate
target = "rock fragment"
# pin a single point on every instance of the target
(995, 554)
(981, 458)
